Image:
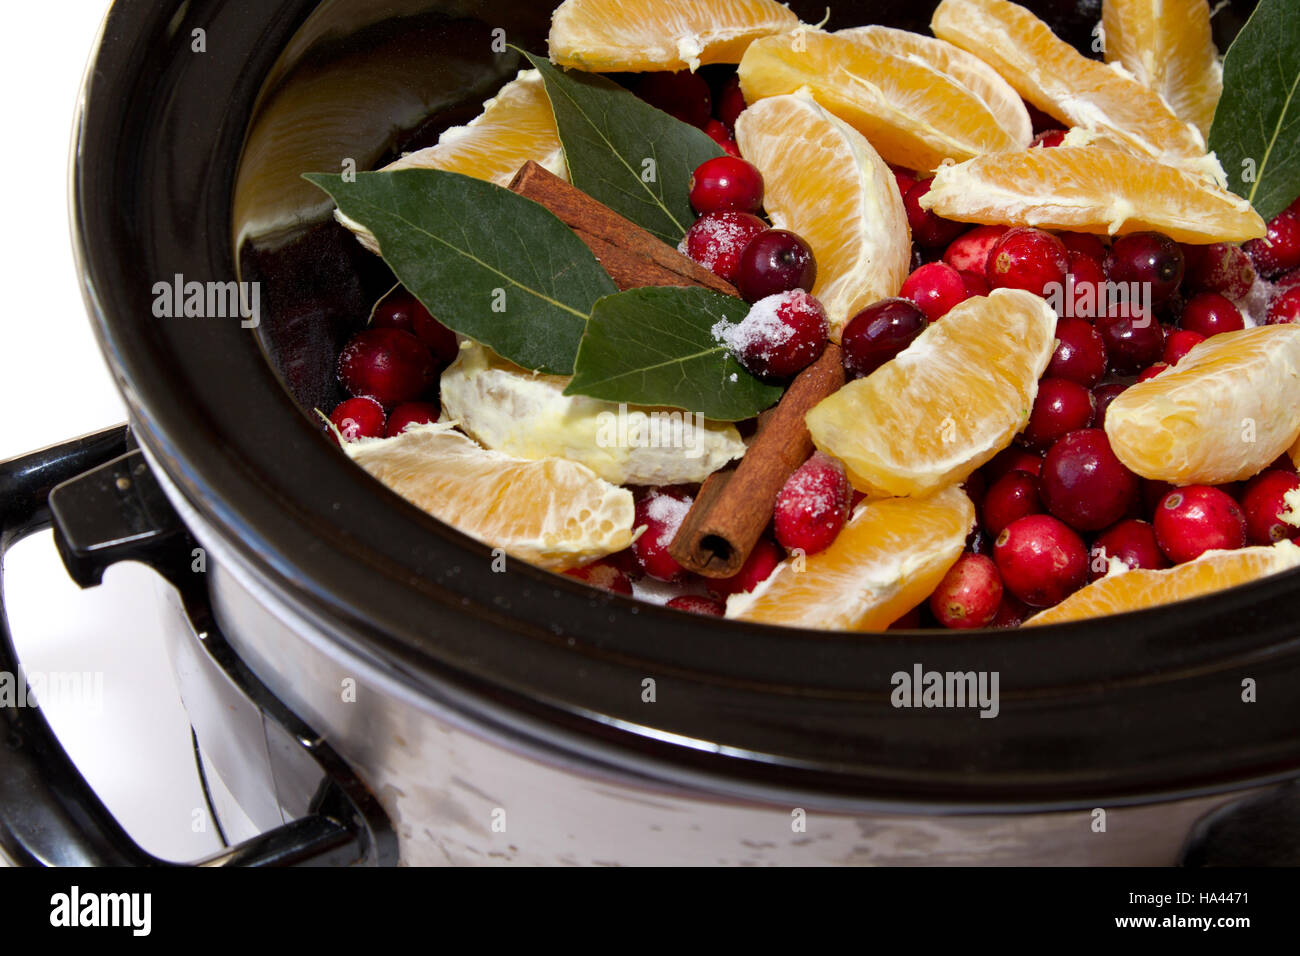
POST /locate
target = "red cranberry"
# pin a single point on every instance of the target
(781, 335)
(1029, 259)
(410, 413)
(389, 365)
(758, 567)
(969, 594)
(437, 338)
(812, 505)
(1264, 503)
(1085, 286)
(1040, 120)
(1133, 338)
(684, 95)
(1048, 138)
(1080, 354)
(775, 261)
(1012, 459)
(1084, 484)
(1148, 258)
(1008, 499)
(1085, 244)
(975, 486)
(1133, 542)
(662, 514)
(1178, 343)
(698, 604)
(731, 102)
(1279, 251)
(1285, 309)
(1209, 314)
(1221, 267)
(360, 417)
(1011, 612)
(928, 229)
(970, 251)
(1151, 371)
(935, 288)
(1061, 406)
(976, 284)
(602, 574)
(717, 239)
(726, 183)
(1289, 280)
(1190, 521)
(1102, 396)
(878, 333)
(1041, 560)
(722, 136)
(396, 311)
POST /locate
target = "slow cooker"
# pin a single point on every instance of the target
(366, 688)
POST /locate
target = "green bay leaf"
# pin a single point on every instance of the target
(1256, 129)
(622, 151)
(488, 263)
(655, 346)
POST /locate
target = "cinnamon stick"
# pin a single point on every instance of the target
(632, 256)
(734, 506)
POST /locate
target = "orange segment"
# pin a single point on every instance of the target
(825, 182)
(890, 556)
(1133, 590)
(954, 62)
(1088, 189)
(914, 114)
(1167, 46)
(651, 35)
(947, 404)
(552, 512)
(1064, 83)
(1223, 413)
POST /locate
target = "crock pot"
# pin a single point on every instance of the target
(366, 687)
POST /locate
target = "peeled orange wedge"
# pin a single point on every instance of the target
(1225, 411)
(1135, 589)
(947, 403)
(913, 113)
(650, 35)
(554, 513)
(1065, 84)
(888, 558)
(1089, 189)
(1167, 46)
(825, 182)
(515, 126)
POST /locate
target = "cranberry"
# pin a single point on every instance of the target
(1133, 338)
(976, 284)
(1151, 371)
(1285, 309)
(410, 413)
(1041, 560)
(781, 335)
(1209, 314)
(1178, 343)
(1061, 406)
(1221, 267)
(1048, 138)
(1084, 484)
(1289, 280)
(935, 288)
(1012, 459)
(970, 251)
(437, 338)
(812, 505)
(758, 567)
(878, 333)
(726, 183)
(1011, 612)
(1080, 354)
(979, 542)
(1148, 258)
(360, 417)
(1029, 259)
(1279, 251)
(905, 179)
(662, 514)
(602, 574)
(717, 239)
(731, 102)
(1008, 499)
(1040, 120)
(389, 365)
(1133, 542)
(396, 311)
(928, 229)
(1264, 503)
(1085, 244)
(775, 261)
(684, 95)
(722, 136)
(1086, 287)
(969, 594)
(975, 487)
(1102, 396)
(1190, 521)
(698, 604)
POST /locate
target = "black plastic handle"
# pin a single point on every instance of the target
(49, 815)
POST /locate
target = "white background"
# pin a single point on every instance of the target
(136, 751)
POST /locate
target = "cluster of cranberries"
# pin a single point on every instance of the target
(391, 370)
